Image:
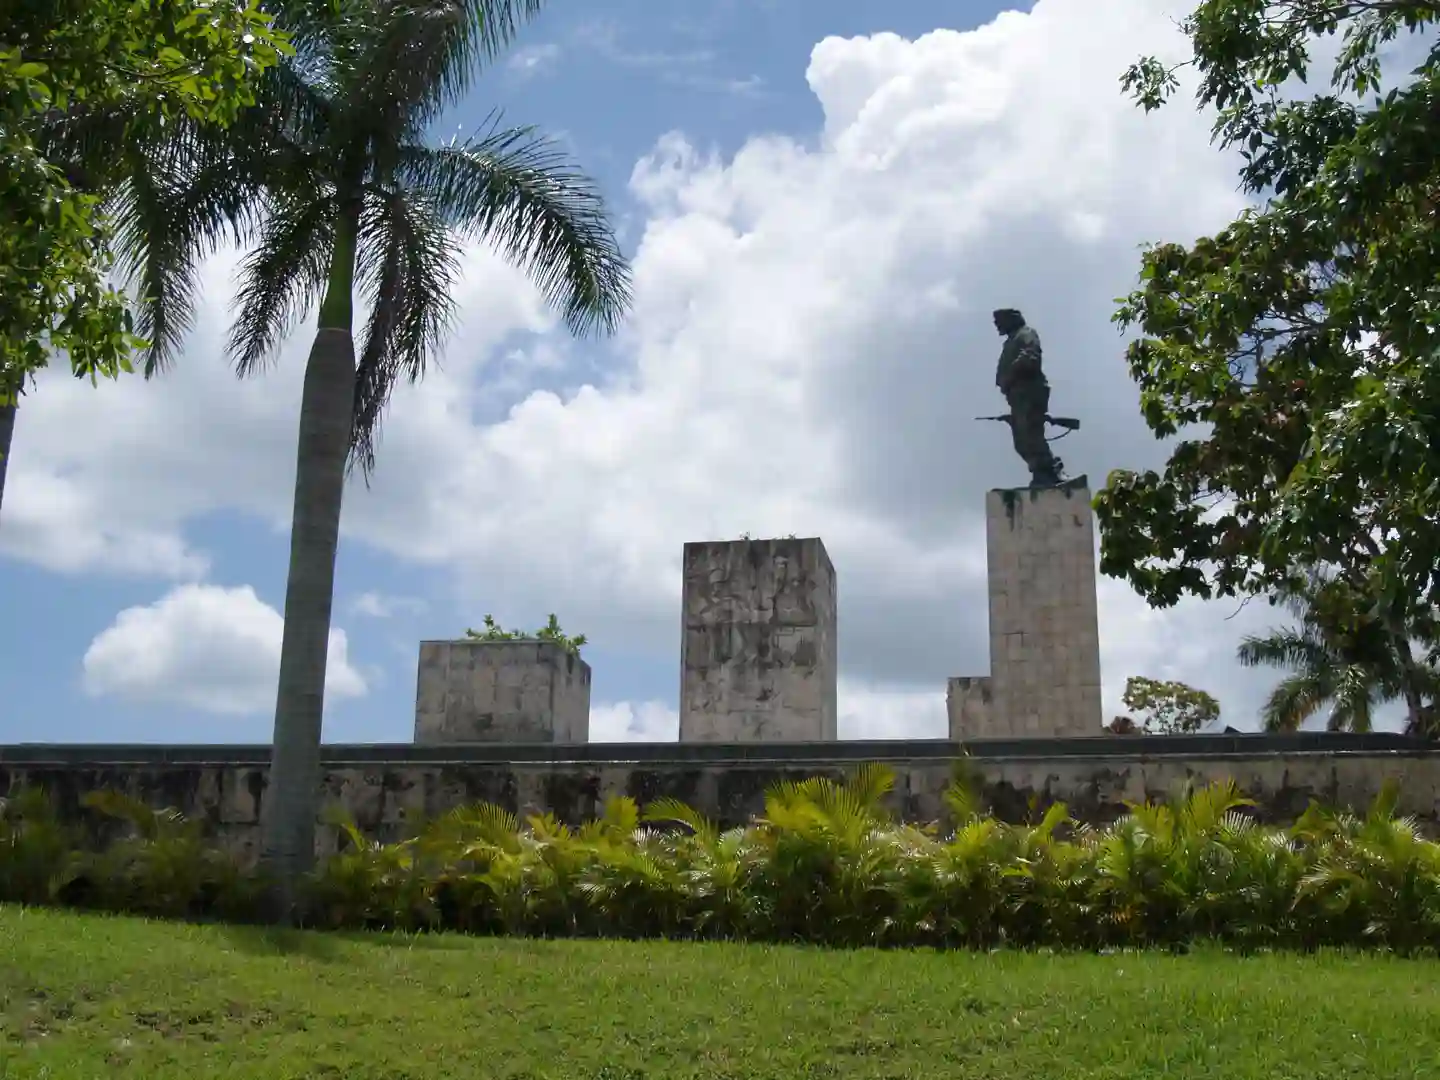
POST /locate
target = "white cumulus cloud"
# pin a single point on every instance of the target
(204, 647)
(533, 59)
(378, 605)
(634, 721)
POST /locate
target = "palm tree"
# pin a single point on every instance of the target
(329, 183)
(1342, 654)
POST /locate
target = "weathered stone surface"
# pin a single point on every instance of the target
(389, 798)
(1044, 623)
(970, 705)
(758, 642)
(501, 691)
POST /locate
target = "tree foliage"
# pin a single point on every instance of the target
(1340, 654)
(1164, 708)
(163, 58)
(1295, 350)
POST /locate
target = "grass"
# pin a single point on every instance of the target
(91, 996)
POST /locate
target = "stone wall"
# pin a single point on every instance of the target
(387, 789)
(471, 691)
(758, 642)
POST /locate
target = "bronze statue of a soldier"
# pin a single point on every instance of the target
(1021, 378)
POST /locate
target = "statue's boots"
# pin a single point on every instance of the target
(1048, 476)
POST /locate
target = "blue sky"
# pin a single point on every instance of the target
(817, 401)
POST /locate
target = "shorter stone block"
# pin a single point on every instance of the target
(969, 703)
(501, 691)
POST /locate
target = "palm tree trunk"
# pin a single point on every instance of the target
(1397, 629)
(326, 412)
(1415, 718)
(7, 436)
(326, 418)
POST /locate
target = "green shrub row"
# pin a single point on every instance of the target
(824, 863)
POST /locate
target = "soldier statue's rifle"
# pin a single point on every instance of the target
(1066, 423)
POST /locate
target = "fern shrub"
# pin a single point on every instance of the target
(824, 863)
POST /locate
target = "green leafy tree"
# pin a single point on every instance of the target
(156, 59)
(329, 183)
(1295, 349)
(1124, 725)
(1164, 708)
(1342, 655)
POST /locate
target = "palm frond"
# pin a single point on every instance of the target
(471, 828)
(282, 278)
(178, 189)
(1288, 648)
(171, 199)
(399, 63)
(496, 23)
(406, 270)
(668, 810)
(517, 191)
(82, 140)
(148, 822)
(165, 226)
(1294, 700)
(157, 255)
(1386, 803)
(870, 783)
(1354, 691)
(1206, 809)
(1301, 596)
(402, 73)
(311, 25)
(295, 109)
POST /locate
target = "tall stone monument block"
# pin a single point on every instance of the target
(1044, 625)
(501, 691)
(758, 642)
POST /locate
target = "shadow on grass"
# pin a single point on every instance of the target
(282, 942)
(399, 939)
(330, 946)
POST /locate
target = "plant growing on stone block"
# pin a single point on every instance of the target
(551, 632)
(498, 685)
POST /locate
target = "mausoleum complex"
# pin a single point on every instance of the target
(508, 722)
(758, 634)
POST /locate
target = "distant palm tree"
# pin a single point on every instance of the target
(328, 182)
(1342, 655)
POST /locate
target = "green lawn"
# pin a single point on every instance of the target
(89, 996)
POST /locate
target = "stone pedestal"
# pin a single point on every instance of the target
(758, 659)
(501, 691)
(1044, 626)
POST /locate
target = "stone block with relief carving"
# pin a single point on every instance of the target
(758, 646)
